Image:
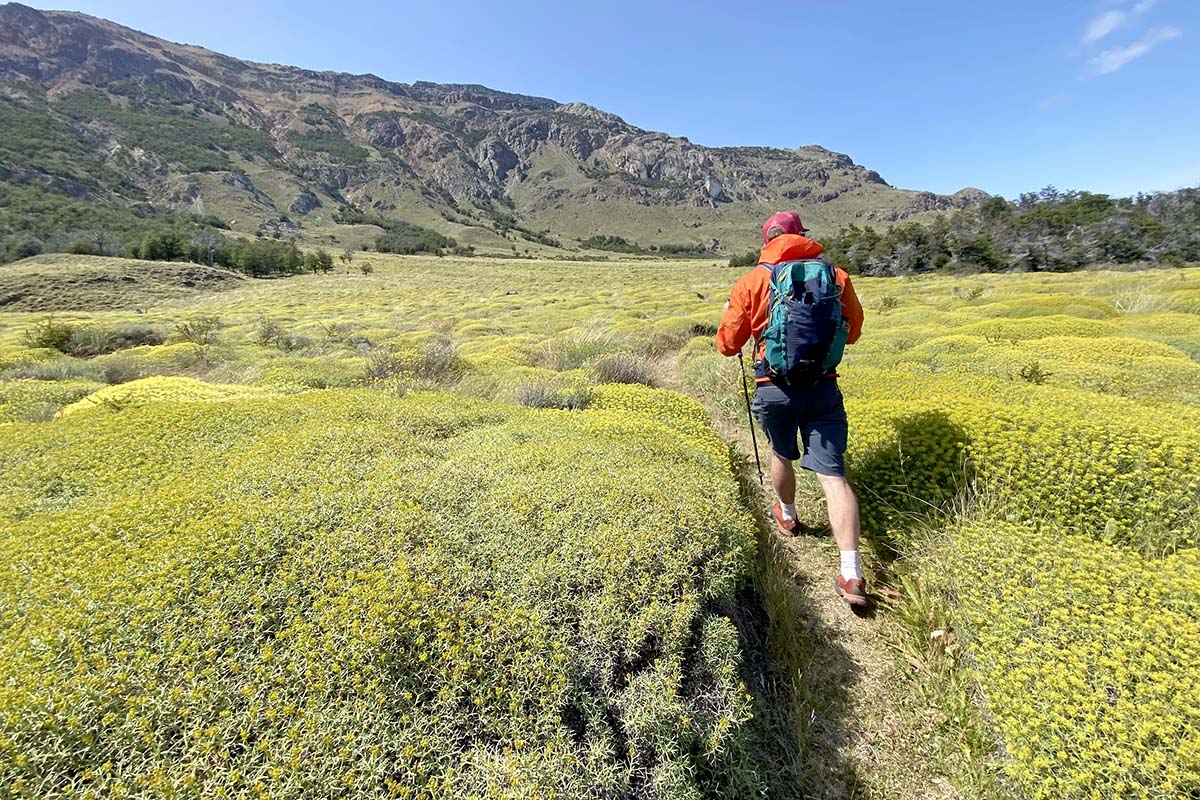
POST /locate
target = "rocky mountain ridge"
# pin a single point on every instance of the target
(285, 150)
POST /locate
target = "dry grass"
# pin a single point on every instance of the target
(62, 282)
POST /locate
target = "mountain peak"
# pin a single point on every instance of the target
(190, 130)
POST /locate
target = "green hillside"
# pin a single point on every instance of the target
(115, 131)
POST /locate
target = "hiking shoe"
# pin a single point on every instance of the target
(852, 591)
(786, 526)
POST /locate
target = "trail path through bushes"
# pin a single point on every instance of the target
(860, 730)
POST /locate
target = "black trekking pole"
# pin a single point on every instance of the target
(750, 416)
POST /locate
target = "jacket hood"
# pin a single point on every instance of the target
(789, 247)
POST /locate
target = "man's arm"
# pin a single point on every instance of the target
(852, 309)
(735, 325)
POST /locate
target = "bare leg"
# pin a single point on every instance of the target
(784, 478)
(843, 509)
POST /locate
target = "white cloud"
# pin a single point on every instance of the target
(1112, 60)
(1106, 22)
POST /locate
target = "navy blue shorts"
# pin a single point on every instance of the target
(814, 414)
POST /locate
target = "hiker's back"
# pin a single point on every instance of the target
(806, 332)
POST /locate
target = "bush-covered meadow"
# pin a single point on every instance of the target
(1049, 425)
(433, 532)
(408, 534)
(350, 593)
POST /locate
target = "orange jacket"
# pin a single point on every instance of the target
(746, 315)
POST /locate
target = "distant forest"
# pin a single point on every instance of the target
(1041, 231)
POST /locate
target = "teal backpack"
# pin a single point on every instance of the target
(806, 333)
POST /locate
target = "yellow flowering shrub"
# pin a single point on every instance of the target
(1049, 304)
(679, 413)
(1114, 472)
(1111, 365)
(1006, 329)
(156, 389)
(1086, 654)
(17, 355)
(210, 589)
(27, 400)
(358, 595)
(311, 373)
(158, 359)
(1077, 583)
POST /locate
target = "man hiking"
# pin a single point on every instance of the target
(800, 311)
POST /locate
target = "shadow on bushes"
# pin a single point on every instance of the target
(922, 471)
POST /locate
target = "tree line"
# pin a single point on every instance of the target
(1049, 230)
(257, 258)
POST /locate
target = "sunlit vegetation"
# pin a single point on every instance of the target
(1028, 446)
(439, 538)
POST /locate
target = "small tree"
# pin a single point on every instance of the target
(101, 237)
(165, 246)
(293, 260)
(365, 268)
(324, 260)
(202, 331)
(346, 257)
(209, 247)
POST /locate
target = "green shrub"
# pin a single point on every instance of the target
(57, 369)
(437, 359)
(329, 142)
(91, 341)
(267, 331)
(434, 360)
(136, 334)
(622, 368)
(748, 259)
(573, 351)
(49, 334)
(1034, 373)
(291, 342)
(121, 369)
(661, 341)
(535, 395)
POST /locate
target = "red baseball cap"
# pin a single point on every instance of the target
(789, 221)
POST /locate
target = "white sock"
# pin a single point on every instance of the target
(789, 510)
(851, 565)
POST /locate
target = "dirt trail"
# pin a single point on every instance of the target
(855, 739)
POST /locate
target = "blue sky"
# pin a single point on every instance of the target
(1101, 95)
